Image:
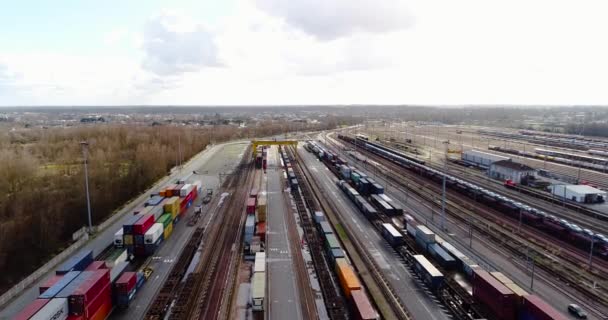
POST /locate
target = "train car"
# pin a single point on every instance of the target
(444, 259)
(494, 295)
(428, 273)
(391, 235)
(348, 280)
(258, 291)
(534, 308)
(325, 227)
(361, 307)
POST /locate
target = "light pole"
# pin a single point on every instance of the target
(85, 146)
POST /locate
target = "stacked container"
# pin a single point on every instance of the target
(154, 201)
(136, 231)
(54, 289)
(424, 237)
(251, 206)
(124, 289)
(55, 309)
(31, 309)
(171, 206)
(49, 283)
(166, 221)
(489, 291)
(260, 231)
(348, 279)
(153, 238)
(249, 228)
(78, 262)
(187, 194)
(262, 205)
(91, 294)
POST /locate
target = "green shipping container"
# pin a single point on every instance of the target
(165, 219)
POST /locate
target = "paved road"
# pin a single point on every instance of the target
(418, 301)
(481, 251)
(283, 298)
(209, 163)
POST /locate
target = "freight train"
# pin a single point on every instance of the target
(513, 303)
(568, 143)
(554, 226)
(86, 289)
(545, 156)
(360, 306)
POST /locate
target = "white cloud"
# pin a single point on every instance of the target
(328, 20)
(173, 44)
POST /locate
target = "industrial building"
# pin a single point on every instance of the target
(481, 159)
(578, 193)
(510, 170)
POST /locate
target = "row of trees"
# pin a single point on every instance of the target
(42, 199)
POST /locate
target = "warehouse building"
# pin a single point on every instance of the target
(481, 159)
(510, 170)
(578, 193)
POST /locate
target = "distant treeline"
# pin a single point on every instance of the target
(42, 199)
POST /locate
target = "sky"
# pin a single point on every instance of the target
(300, 52)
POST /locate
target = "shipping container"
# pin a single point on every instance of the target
(250, 206)
(319, 216)
(410, 226)
(262, 207)
(165, 219)
(88, 290)
(332, 242)
(117, 256)
(427, 272)
(90, 307)
(259, 262)
(156, 211)
(390, 234)
(185, 190)
(534, 308)
(154, 201)
(126, 283)
(167, 231)
(143, 224)
(118, 238)
(493, 294)
(96, 265)
(49, 283)
(53, 290)
(128, 225)
(336, 253)
(325, 227)
(376, 188)
(55, 309)
(172, 206)
(362, 308)
(444, 259)
(154, 233)
(31, 309)
(77, 262)
(347, 277)
(260, 230)
(103, 311)
(425, 234)
(117, 271)
(254, 194)
(258, 291)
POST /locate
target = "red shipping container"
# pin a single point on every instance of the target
(96, 265)
(102, 298)
(362, 308)
(251, 206)
(253, 193)
(72, 317)
(88, 290)
(143, 224)
(31, 309)
(493, 294)
(260, 230)
(50, 282)
(126, 282)
(103, 311)
(535, 308)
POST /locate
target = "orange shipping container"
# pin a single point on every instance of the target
(348, 279)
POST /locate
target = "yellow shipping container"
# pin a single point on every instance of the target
(127, 239)
(348, 279)
(168, 230)
(171, 206)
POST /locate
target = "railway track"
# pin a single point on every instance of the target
(207, 289)
(500, 229)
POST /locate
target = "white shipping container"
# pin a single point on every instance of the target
(118, 238)
(153, 233)
(56, 309)
(425, 234)
(259, 265)
(185, 190)
(258, 291)
(115, 260)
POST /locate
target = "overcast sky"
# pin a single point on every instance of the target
(242, 52)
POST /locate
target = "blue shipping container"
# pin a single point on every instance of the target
(336, 253)
(376, 189)
(444, 259)
(59, 285)
(77, 262)
(422, 244)
(427, 272)
(154, 201)
(325, 227)
(140, 280)
(69, 289)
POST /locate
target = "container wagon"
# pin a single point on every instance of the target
(258, 291)
(390, 234)
(348, 280)
(493, 294)
(361, 307)
(427, 272)
(534, 308)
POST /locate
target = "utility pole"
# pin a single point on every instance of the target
(85, 146)
(445, 172)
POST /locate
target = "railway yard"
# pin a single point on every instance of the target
(375, 221)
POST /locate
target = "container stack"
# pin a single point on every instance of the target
(171, 206)
(124, 289)
(167, 221)
(153, 238)
(260, 214)
(258, 282)
(249, 228)
(424, 237)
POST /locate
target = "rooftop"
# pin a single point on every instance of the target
(512, 165)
